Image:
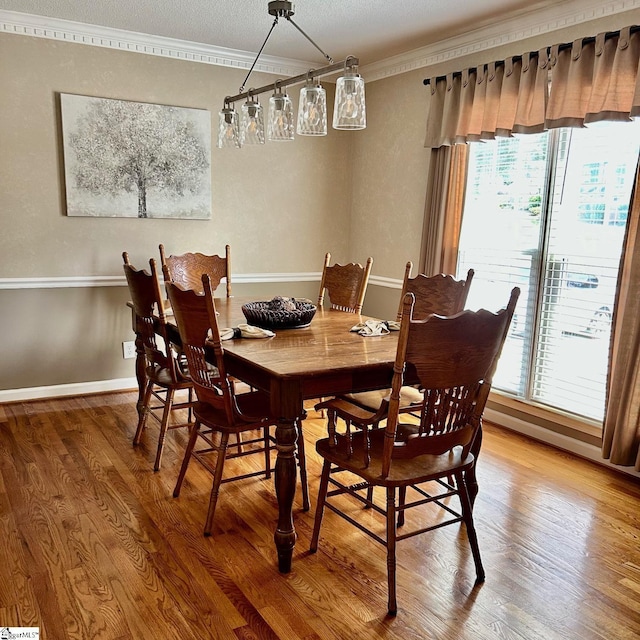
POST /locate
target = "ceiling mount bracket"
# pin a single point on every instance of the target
(282, 9)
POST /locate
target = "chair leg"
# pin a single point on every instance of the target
(322, 412)
(142, 421)
(239, 442)
(467, 514)
(267, 451)
(322, 497)
(369, 497)
(217, 479)
(470, 475)
(193, 436)
(402, 498)
(391, 549)
(190, 400)
(302, 463)
(166, 414)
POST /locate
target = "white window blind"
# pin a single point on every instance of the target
(547, 213)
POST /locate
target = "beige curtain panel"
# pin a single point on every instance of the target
(443, 211)
(621, 438)
(565, 85)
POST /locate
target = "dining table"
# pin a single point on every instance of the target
(322, 359)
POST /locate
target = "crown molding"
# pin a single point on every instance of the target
(536, 22)
(26, 24)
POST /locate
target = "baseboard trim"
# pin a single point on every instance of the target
(64, 390)
(557, 440)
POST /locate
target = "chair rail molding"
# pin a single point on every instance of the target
(525, 24)
(73, 282)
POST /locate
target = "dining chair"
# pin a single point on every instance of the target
(187, 269)
(344, 285)
(219, 411)
(441, 294)
(164, 373)
(453, 358)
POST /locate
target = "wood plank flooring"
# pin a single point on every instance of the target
(94, 546)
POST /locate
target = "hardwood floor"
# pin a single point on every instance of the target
(93, 545)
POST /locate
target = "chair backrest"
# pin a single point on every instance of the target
(195, 315)
(453, 359)
(187, 269)
(345, 285)
(148, 307)
(441, 294)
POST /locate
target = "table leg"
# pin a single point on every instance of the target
(285, 483)
(286, 403)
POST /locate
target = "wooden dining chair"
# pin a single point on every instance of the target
(344, 285)
(188, 268)
(441, 294)
(163, 372)
(219, 411)
(453, 358)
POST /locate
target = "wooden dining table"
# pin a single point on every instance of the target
(322, 359)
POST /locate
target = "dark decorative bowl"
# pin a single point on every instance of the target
(280, 313)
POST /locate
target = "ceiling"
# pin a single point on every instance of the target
(372, 30)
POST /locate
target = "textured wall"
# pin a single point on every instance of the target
(280, 206)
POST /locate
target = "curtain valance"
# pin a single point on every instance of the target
(564, 85)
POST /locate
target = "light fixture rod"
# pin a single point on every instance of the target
(312, 73)
(326, 55)
(244, 82)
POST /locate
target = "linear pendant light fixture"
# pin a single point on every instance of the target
(247, 127)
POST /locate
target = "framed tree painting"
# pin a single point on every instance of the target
(135, 160)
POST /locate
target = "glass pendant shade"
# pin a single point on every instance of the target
(280, 123)
(349, 108)
(252, 123)
(312, 110)
(228, 129)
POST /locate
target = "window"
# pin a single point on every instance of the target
(547, 213)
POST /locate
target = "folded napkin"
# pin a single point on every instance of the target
(376, 327)
(245, 331)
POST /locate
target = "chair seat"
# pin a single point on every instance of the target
(161, 376)
(403, 471)
(409, 396)
(254, 406)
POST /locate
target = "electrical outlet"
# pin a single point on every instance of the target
(129, 349)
